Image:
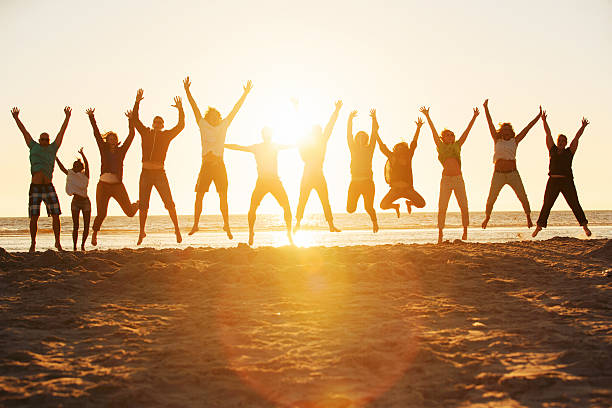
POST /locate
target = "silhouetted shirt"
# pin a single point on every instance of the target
(155, 143)
(42, 158)
(111, 161)
(361, 162)
(560, 162)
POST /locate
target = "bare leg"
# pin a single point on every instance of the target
(536, 231)
(464, 236)
(388, 202)
(33, 231)
(440, 235)
(75, 228)
(225, 214)
(197, 211)
(142, 218)
(56, 231)
(174, 218)
(86, 220)
(587, 231)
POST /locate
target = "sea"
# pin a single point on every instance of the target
(419, 227)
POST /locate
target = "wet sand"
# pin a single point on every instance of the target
(521, 324)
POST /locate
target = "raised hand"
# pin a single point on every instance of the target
(352, 114)
(81, 151)
(90, 111)
(178, 104)
(139, 95)
(68, 111)
(486, 103)
(540, 114)
(419, 122)
(128, 113)
(186, 83)
(373, 113)
(585, 122)
(476, 112)
(424, 110)
(247, 88)
(15, 112)
(338, 104)
(544, 115)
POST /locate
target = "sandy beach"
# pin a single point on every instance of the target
(520, 324)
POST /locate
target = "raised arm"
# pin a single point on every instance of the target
(90, 113)
(489, 120)
(332, 121)
(531, 124)
(137, 123)
(178, 104)
(574, 145)
(247, 88)
(425, 111)
(374, 131)
(85, 161)
(24, 132)
(465, 134)
(61, 166)
(349, 130)
(192, 102)
(549, 140)
(383, 148)
(415, 139)
(241, 148)
(130, 138)
(60, 136)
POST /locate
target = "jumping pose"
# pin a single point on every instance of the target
(267, 179)
(213, 131)
(505, 164)
(77, 181)
(400, 174)
(42, 162)
(362, 183)
(155, 143)
(111, 184)
(313, 156)
(449, 154)
(561, 177)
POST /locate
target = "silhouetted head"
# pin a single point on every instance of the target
(561, 141)
(316, 132)
(44, 139)
(505, 131)
(111, 139)
(77, 166)
(361, 138)
(212, 116)
(266, 134)
(448, 136)
(158, 123)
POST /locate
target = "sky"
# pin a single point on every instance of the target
(390, 55)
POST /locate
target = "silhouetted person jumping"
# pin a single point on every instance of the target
(312, 152)
(112, 155)
(213, 131)
(267, 179)
(449, 154)
(399, 175)
(362, 183)
(155, 143)
(561, 177)
(42, 162)
(77, 181)
(504, 158)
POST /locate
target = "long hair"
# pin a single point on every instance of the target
(504, 126)
(109, 133)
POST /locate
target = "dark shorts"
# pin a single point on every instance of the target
(212, 170)
(159, 180)
(43, 193)
(80, 204)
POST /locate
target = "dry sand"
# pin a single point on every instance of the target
(523, 324)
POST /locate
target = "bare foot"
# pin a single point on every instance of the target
(141, 236)
(226, 228)
(251, 238)
(74, 248)
(529, 222)
(485, 222)
(375, 227)
(409, 207)
(194, 229)
(94, 238)
(535, 232)
(58, 246)
(83, 248)
(397, 210)
(332, 228)
(32, 247)
(440, 236)
(587, 231)
(179, 238)
(464, 236)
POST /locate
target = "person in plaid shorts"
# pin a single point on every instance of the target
(42, 162)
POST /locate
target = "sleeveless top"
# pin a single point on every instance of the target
(505, 150)
(560, 162)
(447, 151)
(76, 183)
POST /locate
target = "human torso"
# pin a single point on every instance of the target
(213, 137)
(313, 155)
(155, 145)
(42, 162)
(504, 155)
(76, 183)
(112, 162)
(401, 171)
(560, 162)
(361, 163)
(450, 157)
(266, 157)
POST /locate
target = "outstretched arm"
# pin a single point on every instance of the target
(415, 139)
(465, 134)
(349, 130)
(531, 124)
(137, 123)
(374, 131)
(549, 140)
(130, 138)
(434, 133)
(61, 166)
(239, 147)
(85, 161)
(247, 88)
(489, 120)
(574, 144)
(192, 102)
(90, 113)
(60, 136)
(178, 104)
(332, 121)
(383, 148)
(24, 132)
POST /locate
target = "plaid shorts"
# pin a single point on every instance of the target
(43, 192)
